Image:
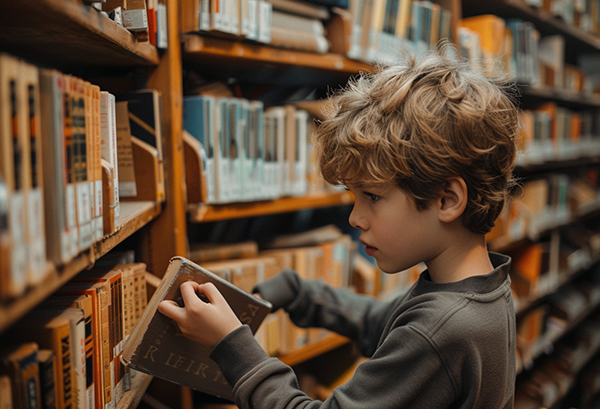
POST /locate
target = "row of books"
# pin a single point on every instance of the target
(378, 29)
(321, 254)
(544, 203)
(146, 19)
(59, 171)
(381, 28)
(555, 374)
(550, 132)
(540, 268)
(65, 352)
(249, 19)
(249, 152)
(529, 57)
(289, 24)
(583, 14)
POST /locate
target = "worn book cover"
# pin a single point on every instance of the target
(19, 362)
(157, 347)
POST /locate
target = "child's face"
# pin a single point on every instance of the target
(394, 232)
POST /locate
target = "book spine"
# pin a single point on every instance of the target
(208, 106)
(127, 185)
(28, 370)
(162, 40)
(20, 363)
(46, 373)
(78, 361)
(113, 148)
(69, 157)
(97, 141)
(82, 187)
(107, 378)
(29, 81)
(11, 166)
(109, 145)
(97, 342)
(91, 156)
(52, 157)
(4, 238)
(116, 292)
(265, 13)
(58, 338)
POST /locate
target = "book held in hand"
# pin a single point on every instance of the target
(157, 346)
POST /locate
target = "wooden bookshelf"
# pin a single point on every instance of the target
(329, 343)
(570, 99)
(556, 165)
(590, 311)
(209, 213)
(544, 21)
(76, 39)
(263, 63)
(134, 215)
(67, 34)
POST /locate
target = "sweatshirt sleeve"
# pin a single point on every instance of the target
(396, 376)
(314, 303)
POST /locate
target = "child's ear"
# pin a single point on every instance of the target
(453, 199)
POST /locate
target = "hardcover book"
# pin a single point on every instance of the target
(157, 347)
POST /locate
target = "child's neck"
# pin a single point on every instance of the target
(465, 258)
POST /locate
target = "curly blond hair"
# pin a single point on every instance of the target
(420, 122)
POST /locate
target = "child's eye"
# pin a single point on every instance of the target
(372, 196)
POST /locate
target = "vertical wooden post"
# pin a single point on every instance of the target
(167, 236)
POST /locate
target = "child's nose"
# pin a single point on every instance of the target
(356, 220)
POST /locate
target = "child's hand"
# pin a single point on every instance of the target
(204, 322)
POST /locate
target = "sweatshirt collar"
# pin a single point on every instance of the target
(477, 284)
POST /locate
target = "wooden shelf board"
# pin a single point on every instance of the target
(329, 343)
(200, 46)
(133, 397)
(63, 34)
(263, 63)
(565, 97)
(134, 216)
(207, 213)
(556, 165)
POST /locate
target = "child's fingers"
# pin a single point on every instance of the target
(188, 293)
(170, 309)
(212, 293)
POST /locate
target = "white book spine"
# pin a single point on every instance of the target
(162, 39)
(98, 210)
(252, 33)
(78, 359)
(109, 142)
(209, 114)
(302, 118)
(265, 10)
(35, 225)
(205, 17)
(19, 245)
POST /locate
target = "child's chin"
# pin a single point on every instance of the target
(388, 268)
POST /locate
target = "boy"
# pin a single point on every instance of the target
(427, 148)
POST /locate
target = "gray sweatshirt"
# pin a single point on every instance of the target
(448, 345)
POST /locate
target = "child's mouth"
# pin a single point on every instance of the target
(370, 250)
